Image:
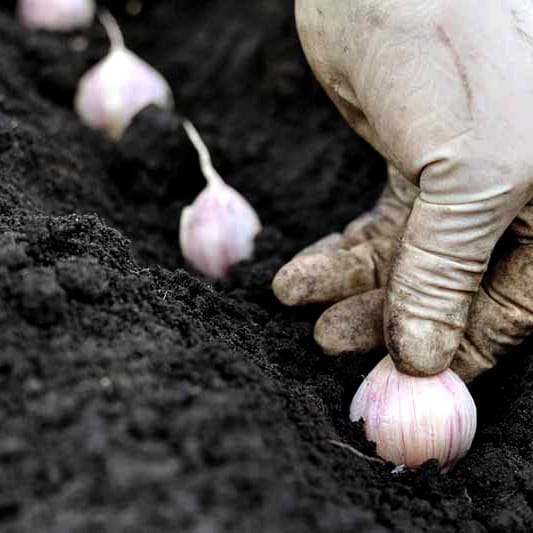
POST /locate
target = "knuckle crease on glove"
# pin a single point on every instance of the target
(415, 266)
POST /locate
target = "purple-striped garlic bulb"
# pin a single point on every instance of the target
(414, 419)
(113, 91)
(218, 229)
(56, 15)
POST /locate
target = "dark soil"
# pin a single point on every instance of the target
(137, 397)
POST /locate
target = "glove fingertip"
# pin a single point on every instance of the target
(420, 347)
(352, 325)
(288, 286)
(328, 336)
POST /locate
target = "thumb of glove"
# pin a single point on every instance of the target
(450, 235)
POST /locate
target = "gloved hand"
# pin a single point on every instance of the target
(444, 91)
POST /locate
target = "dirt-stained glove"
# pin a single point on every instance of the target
(440, 89)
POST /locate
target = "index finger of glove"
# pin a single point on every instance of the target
(501, 315)
(330, 277)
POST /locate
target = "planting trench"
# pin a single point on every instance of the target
(134, 395)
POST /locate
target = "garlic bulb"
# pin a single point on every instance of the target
(112, 92)
(413, 419)
(56, 15)
(218, 229)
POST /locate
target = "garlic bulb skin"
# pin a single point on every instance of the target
(116, 89)
(56, 15)
(217, 230)
(113, 91)
(413, 419)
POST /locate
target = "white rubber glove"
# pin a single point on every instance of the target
(443, 89)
